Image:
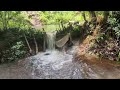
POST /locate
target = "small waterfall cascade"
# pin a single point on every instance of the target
(51, 36)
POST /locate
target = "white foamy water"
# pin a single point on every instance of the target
(54, 64)
(51, 40)
(55, 58)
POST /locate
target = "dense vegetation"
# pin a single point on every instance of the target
(18, 38)
(107, 43)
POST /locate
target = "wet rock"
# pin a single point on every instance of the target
(47, 54)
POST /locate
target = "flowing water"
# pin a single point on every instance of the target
(51, 40)
(54, 64)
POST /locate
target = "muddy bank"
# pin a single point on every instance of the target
(106, 69)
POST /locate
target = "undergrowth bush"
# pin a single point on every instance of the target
(107, 43)
(13, 45)
(15, 52)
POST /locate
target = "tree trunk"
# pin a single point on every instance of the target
(44, 40)
(44, 43)
(36, 45)
(8, 13)
(106, 14)
(30, 50)
(85, 25)
(83, 14)
(92, 13)
(62, 25)
(4, 20)
(93, 18)
(70, 38)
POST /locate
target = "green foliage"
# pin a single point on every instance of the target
(101, 38)
(99, 13)
(15, 52)
(114, 20)
(13, 45)
(13, 19)
(107, 42)
(18, 50)
(56, 17)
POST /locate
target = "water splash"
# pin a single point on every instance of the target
(55, 65)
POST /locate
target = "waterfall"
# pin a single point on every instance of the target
(51, 40)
